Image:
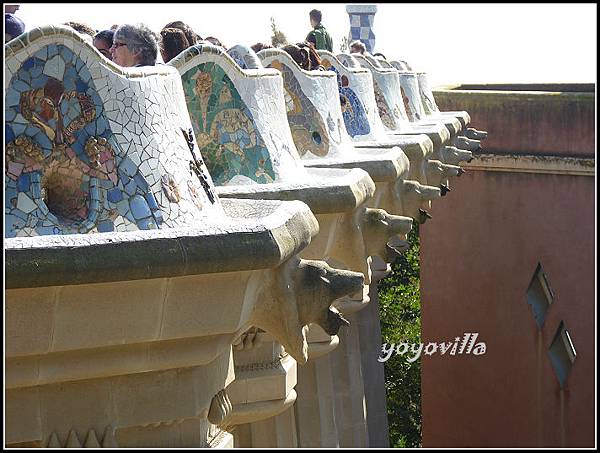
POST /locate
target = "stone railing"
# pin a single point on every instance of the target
(184, 243)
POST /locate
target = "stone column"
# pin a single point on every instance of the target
(361, 24)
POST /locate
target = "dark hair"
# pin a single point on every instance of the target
(191, 36)
(260, 46)
(299, 55)
(314, 58)
(358, 44)
(215, 41)
(173, 41)
(316, 15)
(81, 28)
(106, 35)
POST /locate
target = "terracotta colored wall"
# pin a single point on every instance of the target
(530, 122)
(478, 255)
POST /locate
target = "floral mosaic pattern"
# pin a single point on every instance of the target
(224, 128)
(353, 112)
(385, 112)
(60, 157)
(306, 124)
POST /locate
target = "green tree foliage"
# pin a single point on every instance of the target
(400, 311)
(278, 39)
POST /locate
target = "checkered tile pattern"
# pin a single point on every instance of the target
(361, 27)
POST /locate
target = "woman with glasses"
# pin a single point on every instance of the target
(134, 45)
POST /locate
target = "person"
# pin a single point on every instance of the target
(314, 58)
(260, 46)
(13, 27)
(173, 41)
(319, 36)
(81, 28)
(358, 47)
(190, 35)
(299, 54)
(134, 45)
(103, 42)
(214, 41)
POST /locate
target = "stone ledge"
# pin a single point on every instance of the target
(541, 164)
(105, 257)
(382, 166)
(330, 190)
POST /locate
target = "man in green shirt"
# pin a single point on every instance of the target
(319, 36)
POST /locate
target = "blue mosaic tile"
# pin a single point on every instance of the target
(146, 224)
(159, 218)
(12, 97)
(141, 182)
(123, 207)
(101, 126)
(12, 222)
(81, 86)
(43, 140)
(114, 195)
(130, 188)
(43, 230)
(42, 53)
(106, 226)
(20, 214)
(9, 136)
(39, 82)
(93, 216)
(139, 207)
(23, 183)
(36, 72)
(19, 86)
(10, 115)
(52, 50)
(18, 129)
(128, 167)
(151, 201)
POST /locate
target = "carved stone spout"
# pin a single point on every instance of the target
(475, 134)
(467, 143)
(381, 227)
(414, 196)
(454, 156)
(299, 293)
(438, 172)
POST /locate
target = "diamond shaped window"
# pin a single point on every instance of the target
(539, 295)
(562, 353)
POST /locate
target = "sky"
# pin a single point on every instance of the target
(453, 43)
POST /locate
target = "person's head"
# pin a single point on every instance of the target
(300, 55)
(315, 17)
(213, 40)
(260, 46)
(13, 27)
(357, 47)
(190, 35)
(103, 42)
(81, 28)
(11, 9)
(313, 56)
(134, 45)
(173, 41)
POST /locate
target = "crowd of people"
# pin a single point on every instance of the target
(131, 45)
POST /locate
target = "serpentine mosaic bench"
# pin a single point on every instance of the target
(117, 247)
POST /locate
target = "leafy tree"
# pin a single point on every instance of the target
(345, 45)
(400, 311)
(278, 39)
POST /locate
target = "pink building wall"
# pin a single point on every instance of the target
(478, 255)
